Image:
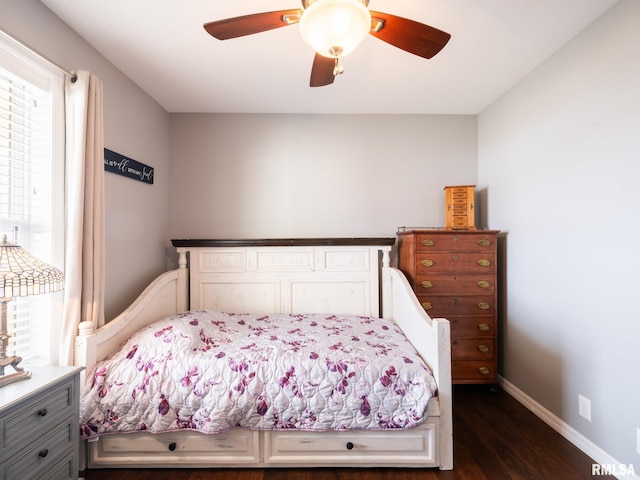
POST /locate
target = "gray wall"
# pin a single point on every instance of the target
(314, 175)
(559, 157)
(135, 126)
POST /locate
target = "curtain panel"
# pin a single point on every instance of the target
(85, 210)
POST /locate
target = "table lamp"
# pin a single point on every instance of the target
(21, 274)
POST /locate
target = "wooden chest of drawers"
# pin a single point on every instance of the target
(39, 425)
(453, 274)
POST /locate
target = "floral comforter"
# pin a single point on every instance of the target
(211, 371)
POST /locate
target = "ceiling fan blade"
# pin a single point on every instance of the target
(250, 24)
(408, 35)
(322, 71)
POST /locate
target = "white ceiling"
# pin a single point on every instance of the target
(162, 46)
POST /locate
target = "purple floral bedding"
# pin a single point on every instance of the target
(211, 371)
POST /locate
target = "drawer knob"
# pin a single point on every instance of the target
(427, 305)
(483, 284)
(172, 446)
(427, 284)
(484, 327)
(483, 242)
(42, 412)
(427, 263)
(350, 446)
(483, 262)
(483, 348)
(43, 453)
(427, 242)
(484, 306)
(484, 371)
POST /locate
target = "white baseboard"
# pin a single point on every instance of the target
(598, 455)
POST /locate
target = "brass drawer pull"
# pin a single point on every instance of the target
(483, 284)
(484, 371)
(483, 242)
(483, 262)
(427, 242)
(484, 306)
(484, 327)
(484, 349)
(427, 284)
(427, 263)
(427, 305)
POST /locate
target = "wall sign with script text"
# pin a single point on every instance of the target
(116, 163)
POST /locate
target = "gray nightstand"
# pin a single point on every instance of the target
(39, 425)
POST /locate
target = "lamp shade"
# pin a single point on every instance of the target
(21, 274)
(334, 28)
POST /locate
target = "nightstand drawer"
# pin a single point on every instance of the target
(37, 415)
(42, 456)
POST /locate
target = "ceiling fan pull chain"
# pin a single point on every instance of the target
(338, 68)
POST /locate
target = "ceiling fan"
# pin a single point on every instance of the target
(334, 28)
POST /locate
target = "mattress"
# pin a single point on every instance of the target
(211, 371)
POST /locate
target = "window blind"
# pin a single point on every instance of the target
(25, 200)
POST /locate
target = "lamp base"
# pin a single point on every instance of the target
(14, 377)
(20, 373)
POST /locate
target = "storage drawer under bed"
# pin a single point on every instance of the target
(343, 448)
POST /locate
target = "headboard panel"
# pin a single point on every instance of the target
(290, 276)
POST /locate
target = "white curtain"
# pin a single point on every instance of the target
(85, 231)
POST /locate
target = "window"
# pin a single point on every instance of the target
(32, 188)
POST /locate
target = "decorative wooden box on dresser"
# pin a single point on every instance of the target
(39, 425)
(453, 273)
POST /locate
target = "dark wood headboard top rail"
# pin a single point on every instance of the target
(282, 242)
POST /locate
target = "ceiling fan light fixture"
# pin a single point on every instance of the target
(334, 28)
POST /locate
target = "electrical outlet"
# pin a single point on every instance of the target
(584, 407)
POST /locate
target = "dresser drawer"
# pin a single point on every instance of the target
(481, 262)
(472, 348)
(455, 243)
(43, 456)
(461, 284)
(473, 371)
(37, 415)
(479, 327)
(452, 305)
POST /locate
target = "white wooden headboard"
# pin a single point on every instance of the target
(286, 275)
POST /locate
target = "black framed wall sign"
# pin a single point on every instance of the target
(127, 167)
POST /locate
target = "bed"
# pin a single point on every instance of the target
(251, 287)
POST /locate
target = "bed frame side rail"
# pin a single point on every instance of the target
(166, 295)
(400, 304)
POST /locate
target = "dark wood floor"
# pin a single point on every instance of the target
(495, 437)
